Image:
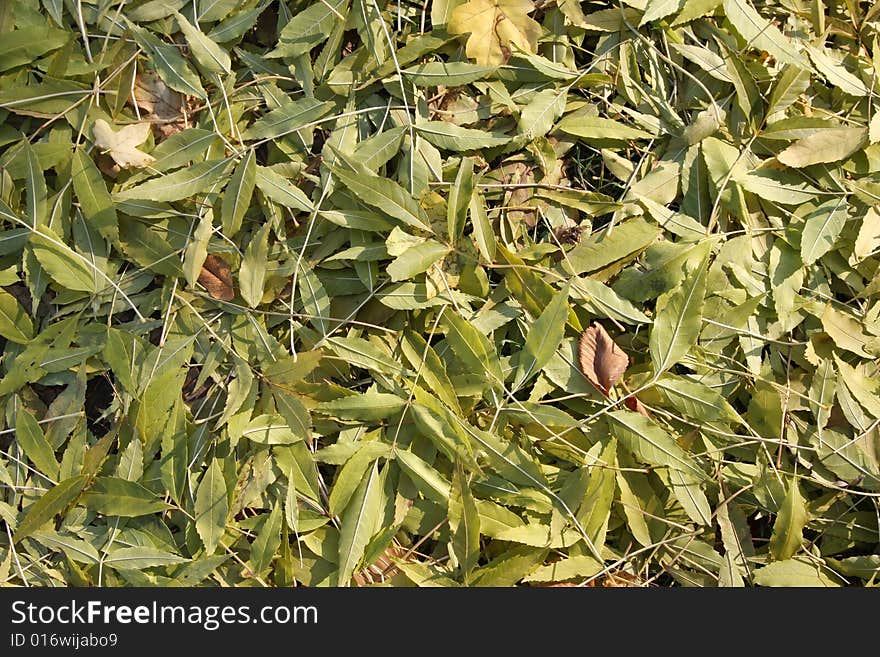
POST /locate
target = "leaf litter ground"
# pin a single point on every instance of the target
(483, 293)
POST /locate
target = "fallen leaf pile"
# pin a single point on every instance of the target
(458, 293)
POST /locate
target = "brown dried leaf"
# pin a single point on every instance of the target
(217, 278)
(600, 359)
(164, 106)
(154, 97)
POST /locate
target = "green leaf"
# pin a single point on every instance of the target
(416, 259)
(294, 413)
(291, 505)
(604, 247)
(272, 429)
(168, 62)
(695, 400)
(791, 83)
(845, 331)
(795, 572)
(441, 426)
(822, 391)
(862, 566)
(252, 274)
(594, 511)
(846, 458)
(483, 235)
(868, 239)
(35, 187)
(836, 73)
(288, 118)
(829, 145)
(281, 191)
(238, 193)
(178, 150)
(362, 353)
(569, 568)
(208, 54)
(131, 462)
(197, 249)
(15, 324)
(94, 199)
(597, 128)
(198, 179)
(211, 507)
(863, 388)
(141, 557)
(760, 34)
(377, 150)
(424, 359)
(385, 195)
(74, 548)
(26, 45)
(464, 523)
(449, 74)
(33, 443)
(786, 278)
(651, 444)
(52, 502)
(510, 567)
(66, 267)
(777, 187)
(735, 536)
(352, 473)
(538, 117)
(429, 482)
(788, 529)
(822, 227)
(315, 300)
(589, 202)
(359, 523)
(543, 338)
(113, 496)
(691, 497)
(369, 406)
(678, 320)
(509, 460)
(637, 501)
(459, 198)
(267, 542)
(473, 348)
(309, 27)
(451, 137)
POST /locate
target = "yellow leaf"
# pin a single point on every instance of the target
(494, 27)
(122, 145)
